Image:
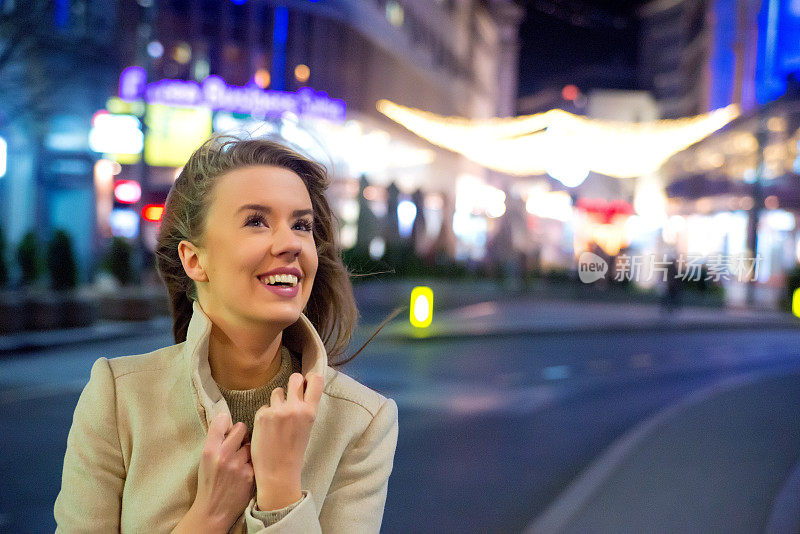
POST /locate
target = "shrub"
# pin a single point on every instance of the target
(29, 259)
(61, 262)
(119, 261)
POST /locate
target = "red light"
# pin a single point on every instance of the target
(569, 92)
(604, 210)
(127, 191)
(153, 212)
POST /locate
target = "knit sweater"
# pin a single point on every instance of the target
(244, 403)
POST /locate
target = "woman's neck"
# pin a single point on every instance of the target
(249, 362)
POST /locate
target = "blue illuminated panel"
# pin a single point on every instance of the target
(280, 34)
(61, 13)
(778, 47)
(723, 58)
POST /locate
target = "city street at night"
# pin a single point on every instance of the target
(495, 429)
(555, 245)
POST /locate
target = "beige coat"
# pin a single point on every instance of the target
(141, 421)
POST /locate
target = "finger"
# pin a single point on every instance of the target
(234, 440)
(242, 456)
(295, 388)
(314, 389)
(218, 427)
(276, 397)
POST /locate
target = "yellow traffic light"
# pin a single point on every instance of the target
(421, 306)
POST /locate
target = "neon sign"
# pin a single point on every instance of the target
(214, 93)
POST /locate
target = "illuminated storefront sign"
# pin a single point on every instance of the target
(214, 93)
(174, 133)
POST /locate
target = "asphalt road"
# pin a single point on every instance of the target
(491, 429)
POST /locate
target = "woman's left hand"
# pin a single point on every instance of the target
(280, 437)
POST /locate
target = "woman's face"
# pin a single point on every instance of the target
(260, 219)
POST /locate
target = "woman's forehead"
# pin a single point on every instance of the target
(262, 185)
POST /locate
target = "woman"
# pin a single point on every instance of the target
(241, 426)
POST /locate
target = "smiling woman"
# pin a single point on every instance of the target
(243, 425)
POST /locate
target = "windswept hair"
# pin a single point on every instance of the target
(331, 307)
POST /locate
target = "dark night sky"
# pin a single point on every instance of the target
(589, 43)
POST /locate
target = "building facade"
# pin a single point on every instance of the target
(310, 72)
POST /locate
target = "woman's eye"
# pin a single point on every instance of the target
(255, 219)
(304, 224)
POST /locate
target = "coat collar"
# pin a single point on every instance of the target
(301, 337)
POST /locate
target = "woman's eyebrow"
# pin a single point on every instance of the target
(267, 209)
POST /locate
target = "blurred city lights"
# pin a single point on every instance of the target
(173, 133)
(406, 213)
(555, 205)
(124, 222)
(302, 73)
(421, 314)
(182, 53)
(377, 247)
(127, 191)
(262, 78)
(496, 205)
(569, 92)
(780, 220)
(348, 210)
(153, 212)
(371, 192)
(155, 49)
(3, 157)
(116, 134)
(394, 13)
(776, 124)
(519, 146)
(132, 82)
(201, 69)
(347, 235)
(771, 202)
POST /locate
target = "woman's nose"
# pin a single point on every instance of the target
(285, 241)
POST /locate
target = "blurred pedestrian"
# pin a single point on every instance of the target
(241, 425)
(671, 296)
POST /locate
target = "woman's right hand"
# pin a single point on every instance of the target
(225, 480)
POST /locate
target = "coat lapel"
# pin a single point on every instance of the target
(301, 337)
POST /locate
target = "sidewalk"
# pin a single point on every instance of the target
(530, 316)
(723, 460)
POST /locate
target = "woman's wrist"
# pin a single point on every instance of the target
(275, 494)
(197, 520)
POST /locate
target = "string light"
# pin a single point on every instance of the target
(532, 144)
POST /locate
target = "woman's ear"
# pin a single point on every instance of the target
(190, 258)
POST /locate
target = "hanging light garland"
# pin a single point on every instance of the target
(554, 140)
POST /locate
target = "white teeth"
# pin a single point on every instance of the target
(285, 278)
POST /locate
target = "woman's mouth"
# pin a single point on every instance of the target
(284, 285)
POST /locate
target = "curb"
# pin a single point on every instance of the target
(29, 341)
(558, 515)
(406, 334)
